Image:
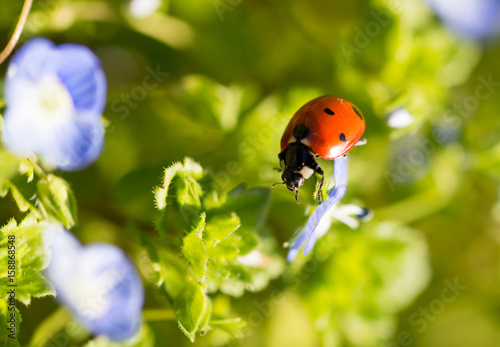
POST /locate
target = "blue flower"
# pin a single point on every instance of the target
(314, 228)
(477, 19)
(55, 96)
(97, 283)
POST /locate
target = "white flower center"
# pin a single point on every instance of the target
(54, 100)
(91, 294)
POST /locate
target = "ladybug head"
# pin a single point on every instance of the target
(293, 181)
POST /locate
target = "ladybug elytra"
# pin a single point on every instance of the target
(326, 127)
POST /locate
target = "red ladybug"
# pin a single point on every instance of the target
(326, 127)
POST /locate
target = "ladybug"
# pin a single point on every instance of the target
(326, 127)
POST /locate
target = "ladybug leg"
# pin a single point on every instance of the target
(297, 196)
(319, 171)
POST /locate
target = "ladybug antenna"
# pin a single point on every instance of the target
(277, 184)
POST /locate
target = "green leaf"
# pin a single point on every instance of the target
(233, 326)
(185, 189)
(189, 307)
(205, 318)
(221, 227)
(192, 168)
(172, 273)
(161, 193)
(189, 192)
(4, 188)
(57, 199)
(26, 168)
(242, 241)
(8, 164)
(245, 239)
(190, 171)
(194, 250)
(5, 318)
(211, 102)
(28, 251)
(213, 200)
(21, 201)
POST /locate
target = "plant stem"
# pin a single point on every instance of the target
(49, 327)
(17, 31)
(158, 315)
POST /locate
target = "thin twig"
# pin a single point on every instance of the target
(17, 31)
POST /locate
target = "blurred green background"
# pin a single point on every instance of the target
(226, 76)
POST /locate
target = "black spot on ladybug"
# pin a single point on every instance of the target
(358, 113)
(300, 131)
(342, 137)
(328, 111)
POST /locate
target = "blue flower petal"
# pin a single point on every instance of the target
(308, 234)
(80, 71)
(97, 283)
(55, 97)
(477, 19)
(70, 146)
(123, 318)
(78, 145)
(76, 66)
(32, 60)
(30, 63)
(295, 248)
(337, 193)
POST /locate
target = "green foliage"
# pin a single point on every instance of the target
(367, 286)
(214, 253)
(211, 246)
(22, 202)
(190, 307)
(5, 314)
(233, 326)
(43, 199)
(221, 228)
(26, 167)
(209, 101)
(57, 200)
(195, 252)
(29, 259)
(172, 272)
